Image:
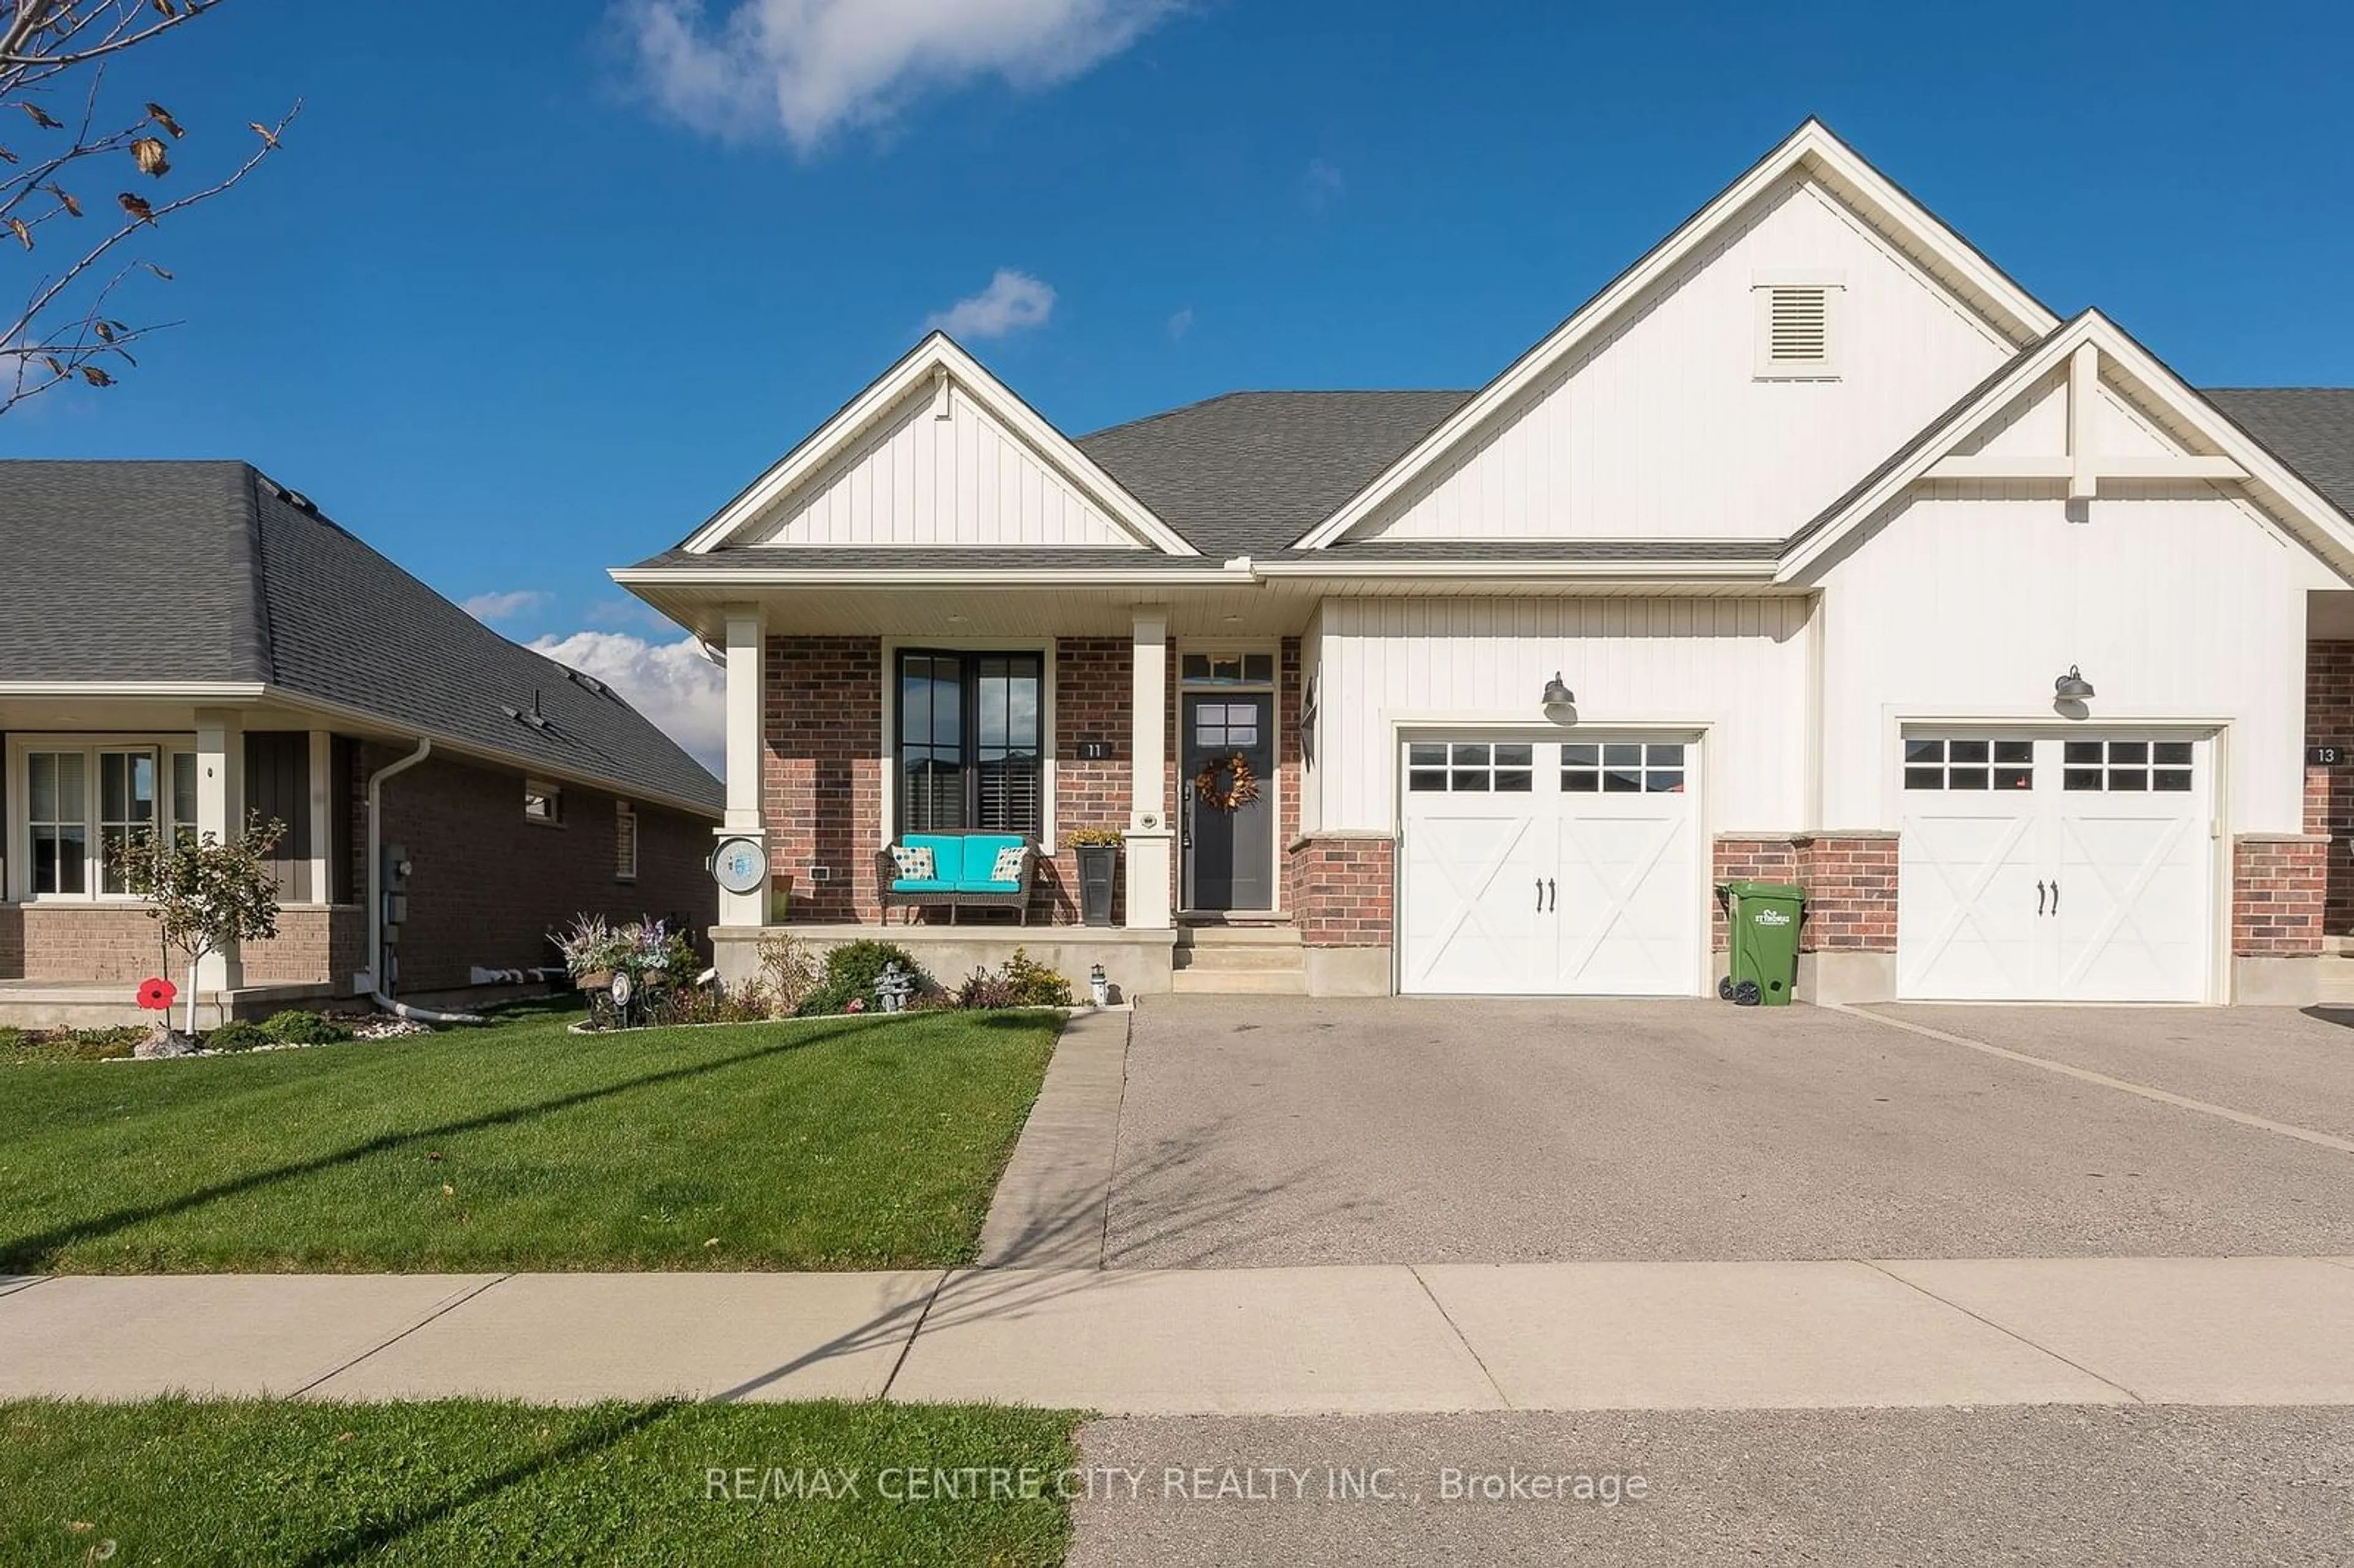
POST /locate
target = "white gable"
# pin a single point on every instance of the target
(940, 470)
(1662, 426)
(937, 452)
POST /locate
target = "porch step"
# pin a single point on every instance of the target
(1239, 982)
(1260, 959)
(2337, 946)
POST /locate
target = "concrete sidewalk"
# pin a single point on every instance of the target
(1371, 1339)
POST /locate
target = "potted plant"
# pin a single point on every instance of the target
(1098, 851)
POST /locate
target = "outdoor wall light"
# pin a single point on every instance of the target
(2072, 687)
(1560, 701)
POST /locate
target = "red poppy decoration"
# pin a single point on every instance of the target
(155, 994)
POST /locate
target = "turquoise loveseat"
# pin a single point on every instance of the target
(964, 868)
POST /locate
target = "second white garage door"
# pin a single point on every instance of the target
(1549, 867)
(2055, 868)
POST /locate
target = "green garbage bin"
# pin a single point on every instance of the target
(1764, 919)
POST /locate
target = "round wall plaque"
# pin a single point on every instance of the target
(740, 865)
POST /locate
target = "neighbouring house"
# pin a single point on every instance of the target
(1814, 547)
(183, 644)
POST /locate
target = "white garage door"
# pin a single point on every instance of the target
(2051, 868)
(1549, 867)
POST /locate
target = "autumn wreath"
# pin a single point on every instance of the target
(1226, 783)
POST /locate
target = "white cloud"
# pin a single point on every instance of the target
(1012, 302)
(504, 606)
(1180, 324)
(810, 68)
(675, 684)
(1324, 184)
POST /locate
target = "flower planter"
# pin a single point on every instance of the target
(1099, 881)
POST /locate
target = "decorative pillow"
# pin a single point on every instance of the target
(914, 862)
(1009, 864)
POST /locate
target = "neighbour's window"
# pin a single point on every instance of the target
(58, 802)
(184, 795)
(971, 731)
(543, 801)
(126, 806)
(625, 841)
(81, 803)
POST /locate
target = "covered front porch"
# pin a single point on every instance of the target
(861, 715)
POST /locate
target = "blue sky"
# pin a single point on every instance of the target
(536, 286)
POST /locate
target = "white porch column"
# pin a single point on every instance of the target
(1150, 840)
(220, 815)
(746, 635)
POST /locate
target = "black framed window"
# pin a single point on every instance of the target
(969, 737)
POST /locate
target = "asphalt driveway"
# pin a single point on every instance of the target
(1265, 1131)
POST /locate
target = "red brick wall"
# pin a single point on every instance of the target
(108, 944)
(1770, 858)
(2278, 894)
(1342, 890)
(1095, 699)
(822, 771)
(488, 885)
(1850, 883)
(313, 946)
(2329, 791)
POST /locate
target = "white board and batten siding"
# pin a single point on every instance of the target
(1663, 427)
(920, 479)
(1734, 669)
(2178, 605)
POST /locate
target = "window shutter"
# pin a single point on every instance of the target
(1798, 326)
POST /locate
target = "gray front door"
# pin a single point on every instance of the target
(1229, 854)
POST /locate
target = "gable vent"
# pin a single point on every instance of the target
(1800, 325)
(1798, 321)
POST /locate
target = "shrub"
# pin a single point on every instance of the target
(1022, 982)
(104, 1040)
(294, 1027)
(11, 1041)
(788, 972)
(982, 988)
(850, 974)
(751, 1002)
(238, 1035)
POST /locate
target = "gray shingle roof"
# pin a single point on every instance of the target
(206, 571)
(1248, 472)
(2311, 428)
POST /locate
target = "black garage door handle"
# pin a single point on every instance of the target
(1554, 902)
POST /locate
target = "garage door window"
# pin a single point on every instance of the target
(1622, 768)
(1969, 764)
(2127, 767)
(1471, 768)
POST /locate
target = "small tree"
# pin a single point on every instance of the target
(202, 894)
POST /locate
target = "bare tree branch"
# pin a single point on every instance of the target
(66, 326)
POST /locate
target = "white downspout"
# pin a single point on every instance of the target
(376, 895)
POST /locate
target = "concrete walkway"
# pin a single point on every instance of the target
(1371, 1339)
(1050, 1206)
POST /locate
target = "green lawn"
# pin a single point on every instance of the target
(455, 1482)
(828, 1143)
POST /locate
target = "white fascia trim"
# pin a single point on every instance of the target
(2093, 329)
(207, 691)
(939, 354)
(1812, 141)
(533, 767)
(1530, 571)
(737, 578)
